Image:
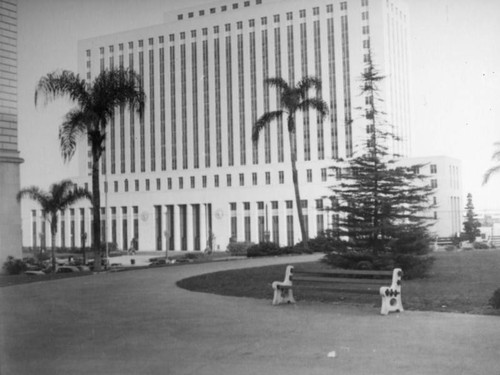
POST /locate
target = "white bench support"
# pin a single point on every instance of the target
(391, 296)
(283, 289)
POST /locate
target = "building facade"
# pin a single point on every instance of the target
(187, 175)
(445, 176)
(10, 218)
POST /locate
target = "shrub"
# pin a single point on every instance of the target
(14, 266)
(239, 248)
(264, 249)
(323, 243)
(413, 266)
(495, 300)
(480, 245)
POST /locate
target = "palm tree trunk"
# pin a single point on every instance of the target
(298, 202)
(96, 208)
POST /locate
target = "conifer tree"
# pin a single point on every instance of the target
(471, 224)
(380, 204)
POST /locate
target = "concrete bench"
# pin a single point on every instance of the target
(346, 281)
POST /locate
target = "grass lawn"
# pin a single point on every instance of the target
(458, 282)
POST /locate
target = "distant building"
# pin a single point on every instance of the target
(187, 175)
(445, 175)
(10, 212)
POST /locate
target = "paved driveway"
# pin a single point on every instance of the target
(139, 322)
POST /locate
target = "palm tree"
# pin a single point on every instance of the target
(293, 99)
(495, 168)
(95, 106)
(60, 196)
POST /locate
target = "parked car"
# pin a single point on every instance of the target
(67, 269)
(34, 273)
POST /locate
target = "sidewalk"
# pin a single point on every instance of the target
(141, 323)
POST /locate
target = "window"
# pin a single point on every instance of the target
(254, 178)
(302, 13)
(251, 23)
(150, 41)
(190, 14)
(147, 184)
(171, 37)
(216, 29)
(223, 8)
(276, 18)
(183, 35)
(116, 186)
(309, 175)
(125, 187)
(329, 8)
(169, 183)
(87, 53)
(415, 169)
(216, 180)
(366, 43)
(289, 16)
(435, 215)
(204, 181)
(274, 205)
(158, 184)
(180, 17)
(193, 33)
(323, 174)
(268, 178)
(242, 179)
(434, 183)
(434, 200)
(192, 182)
(315, 11)
(202, 12)
(228, 27)
(263, 20)
(136, 182)
(181, 183)
(364, 3)
(239, 25)
(212, 10)
(235, 6)
(281, 176)
(366, 30)
(161, 40)
(204, 31)
(433, 168)
(319, 204)
(364, 16)
(246, 3)
(343, 5)
(289, 204)
(228, 178)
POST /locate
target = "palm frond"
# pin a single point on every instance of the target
(493, 170)
(307, 83)
(59, 84)
(264, 121)
(317, 104)
(74, 126)
(278, 83)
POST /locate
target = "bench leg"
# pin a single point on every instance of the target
(282, 295)
(391, 301)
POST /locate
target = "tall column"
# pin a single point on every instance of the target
(177, 228)
(203, 227)
(240, 221)
(189, 227)
(254, 222)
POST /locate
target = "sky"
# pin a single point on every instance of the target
(455, 75)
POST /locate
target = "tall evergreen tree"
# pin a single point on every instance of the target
(381, 204)
(471, 224)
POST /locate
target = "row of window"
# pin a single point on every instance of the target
(223, 8)
(204, 181)
(302, 12)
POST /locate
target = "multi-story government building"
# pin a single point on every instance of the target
(187, 173)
